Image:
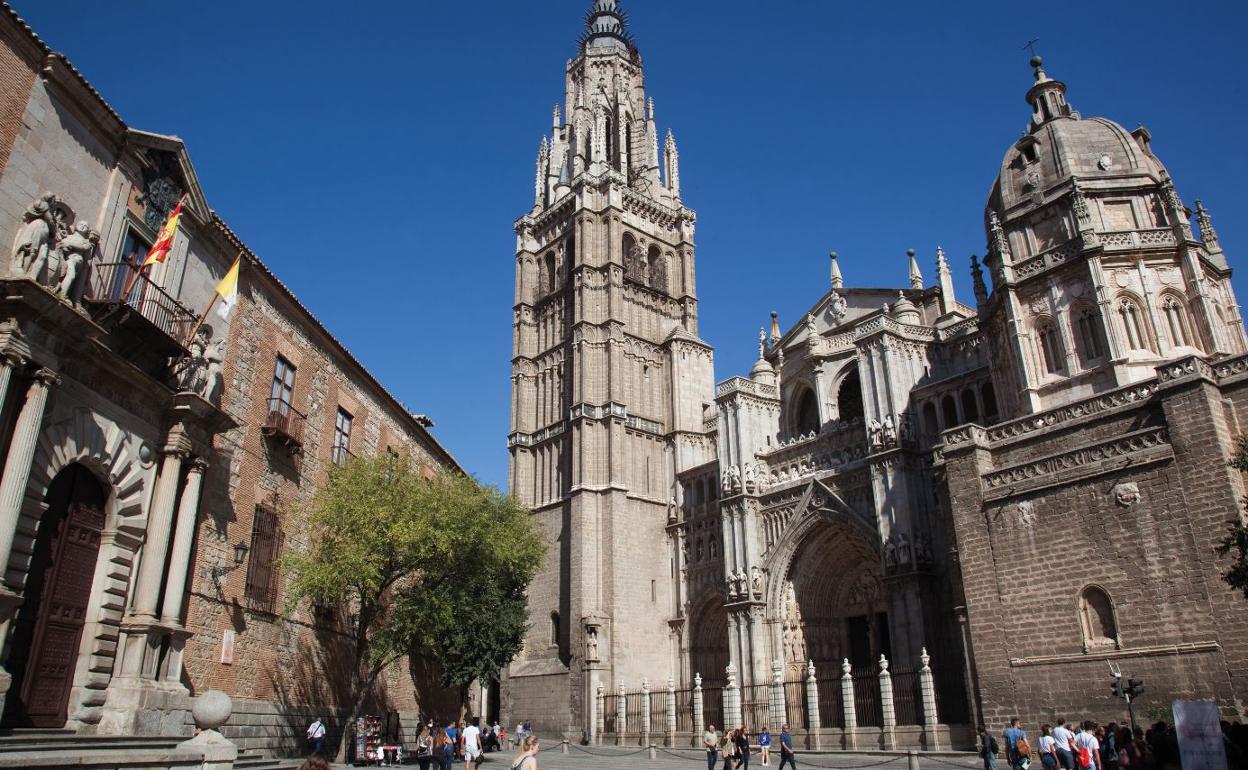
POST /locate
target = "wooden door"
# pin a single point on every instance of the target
(63, 606)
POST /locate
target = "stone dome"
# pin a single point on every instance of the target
(1059, 144)
(904, 311)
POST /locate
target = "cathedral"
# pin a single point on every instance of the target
(1004, 496)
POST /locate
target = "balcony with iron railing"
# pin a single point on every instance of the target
(284, 423)
(145, 323)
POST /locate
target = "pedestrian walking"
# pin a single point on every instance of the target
(316, 736)
(1064, 745)
(471, 743)
(526, 758)
(710, 742)
(743, 748)
(728, 749)
(786, 748)
(1087, 748)
(1048, 748)
(1017, 749)
(988, 748)
(444, 749)
(424, 746)
(1109, 746)
(764, 744)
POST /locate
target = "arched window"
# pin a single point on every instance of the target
(931, 426)
(554, 629)
(849, 397)
(1088, 335)
(1133, 329)
(1050, 346)
(1096, 618)
(807, 413)
(550, 274)
(970, 410)
(950, 409)
(1176, 322)
(632, 260)
(656, 269)
(988, 395)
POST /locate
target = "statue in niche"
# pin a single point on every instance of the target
(890, 430)
(732, 479)
(751, 477)
(671, 510)
(742, 583)
(35, 236)
(864, 591)
(876, 432)
(72, 254)
(756, 581)
(890, 555)
(201, 371)
(591, 643)
(923, 555)
(731, 582)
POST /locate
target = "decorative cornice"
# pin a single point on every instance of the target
(1137, 445)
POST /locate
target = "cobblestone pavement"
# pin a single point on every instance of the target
(633, 759)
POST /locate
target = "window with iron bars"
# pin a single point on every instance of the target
(262, 570)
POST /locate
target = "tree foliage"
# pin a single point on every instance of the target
(431, 565)
(1237, 538)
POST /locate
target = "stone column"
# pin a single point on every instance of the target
(813, 722)
(928, 688)
(777, 711)
(8, 362)
(183, 537)
(848, 705)
(17, 463)
(621, 715)
(699, 712)
(886, 705)
(600, 719)
(156, 544)
(645, 711)
(671, 712)
(732, 700)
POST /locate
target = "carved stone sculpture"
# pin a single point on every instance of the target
(756, 581)
(591, 643)
(890, 430)
(1126, 493)
(751, 477)
(201, 371)
(35, 237)
(876, 432)
(73, 252)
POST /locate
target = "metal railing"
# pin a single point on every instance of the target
(109, 282)
(907, 697)
(284, 420)
(795, 705)
(831, 701)
(755, 702)
(867, 700)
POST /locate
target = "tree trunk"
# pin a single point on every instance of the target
(363, 685)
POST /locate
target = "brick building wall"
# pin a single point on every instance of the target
(1128, 493)
(18, 62)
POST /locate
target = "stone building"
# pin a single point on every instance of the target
(149, 469)
(1008, 482)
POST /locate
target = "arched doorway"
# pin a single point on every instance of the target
(807, 415)
(708, 654)
(48, 626)
(849, 397)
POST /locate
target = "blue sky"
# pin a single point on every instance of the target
(376, 154)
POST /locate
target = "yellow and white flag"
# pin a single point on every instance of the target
(227, 290)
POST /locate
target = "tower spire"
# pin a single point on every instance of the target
(916, 275)
(606, 28)
(837, 280)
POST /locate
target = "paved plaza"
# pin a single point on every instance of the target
(667, 759)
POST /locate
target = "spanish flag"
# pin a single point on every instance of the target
(165, 242)
(227, 290)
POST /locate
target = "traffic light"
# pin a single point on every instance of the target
(1135, 687)
(1117, 690)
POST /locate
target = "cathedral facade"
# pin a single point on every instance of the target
(1009, 483)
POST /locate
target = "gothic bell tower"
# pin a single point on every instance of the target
(609, 385)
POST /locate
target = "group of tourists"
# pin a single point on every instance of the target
(734, 748)
(1089, 746)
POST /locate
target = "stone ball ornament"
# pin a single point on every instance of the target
(212, 709)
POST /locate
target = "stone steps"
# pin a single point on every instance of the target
(22, 740)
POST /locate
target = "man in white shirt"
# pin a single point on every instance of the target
(471, 745)
(1084, 739)
(316, 736)
(1065, 739)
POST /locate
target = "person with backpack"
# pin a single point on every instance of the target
(1109, 746)
(988, 749)
(1087, 748)
(1017, 749)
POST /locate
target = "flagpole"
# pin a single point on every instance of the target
(139, 273)
(195, 330)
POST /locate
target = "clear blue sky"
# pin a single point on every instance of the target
(376, 154)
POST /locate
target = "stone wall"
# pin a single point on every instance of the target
(1127, 494)
(17, 71)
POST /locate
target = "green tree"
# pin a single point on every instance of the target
(1237, 538)
(422, 565)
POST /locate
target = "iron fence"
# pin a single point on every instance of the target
(907, 697)
(658, 711)
(754, 706)
(831, 702)
(795, 713)
(867, 700)
(713, 706)
(684, 711)
(951, 704)
(632, 712)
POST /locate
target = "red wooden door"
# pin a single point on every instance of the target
(63, 610)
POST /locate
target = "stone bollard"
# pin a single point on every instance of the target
(912, 760)
(563, 746)
(645, 711)
(927, 688)
(732, 698)
(621, 715)
(699, 712)
(848, 706)
(595, 705)
(600, 723)
(812, 707)
(777, 710)
(670, 739)
(887, 706)
(654, 753)
(210, 711)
